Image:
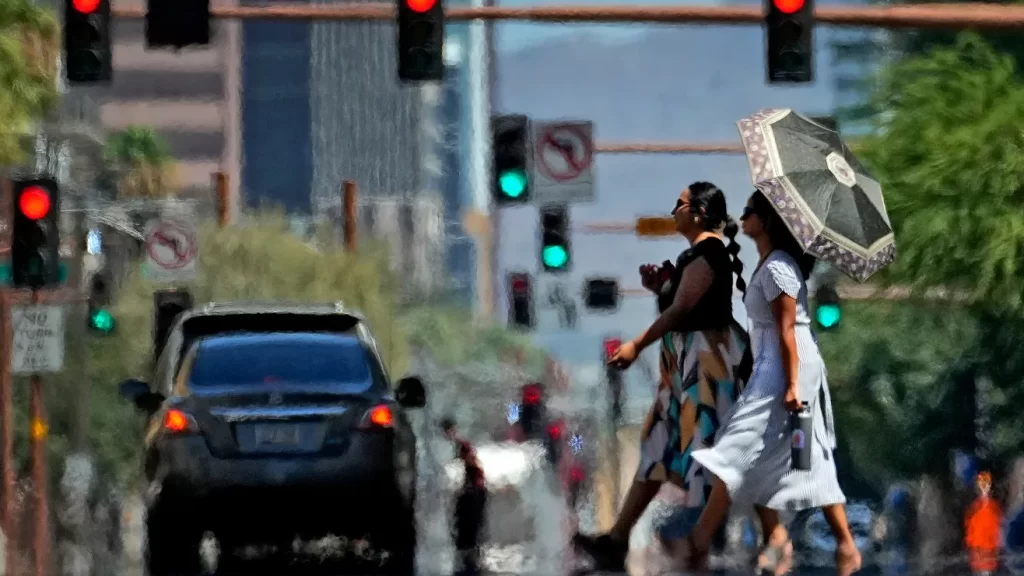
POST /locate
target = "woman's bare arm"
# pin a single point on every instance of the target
(784, 311)
(696, 279)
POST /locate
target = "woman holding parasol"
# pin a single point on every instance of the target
(813, 201)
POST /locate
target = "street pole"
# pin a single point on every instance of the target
(348, 204)
(220, 184)
(38, 432)
(948, 16)
(7, 423)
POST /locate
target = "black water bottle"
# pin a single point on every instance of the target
(800, 430)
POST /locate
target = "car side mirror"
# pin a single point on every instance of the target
(137, 392)
(411, 393)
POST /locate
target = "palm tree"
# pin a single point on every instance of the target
(142, 161)
(29, 44)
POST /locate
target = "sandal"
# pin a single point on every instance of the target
(775, 559)
(609, 555)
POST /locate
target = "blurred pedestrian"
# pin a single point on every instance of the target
(983, 528)
(751, 459)
(704, 359)
(470, 502)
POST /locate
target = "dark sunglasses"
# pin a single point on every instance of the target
(679, 205)
(747, 213)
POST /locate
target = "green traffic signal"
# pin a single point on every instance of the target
(512, 183)
(828, 315)
(101, 321)
(555, 256)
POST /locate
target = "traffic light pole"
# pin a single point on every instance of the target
(949, 16)
(7, 431)
(39, 430)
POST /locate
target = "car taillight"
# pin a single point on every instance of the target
(177, 422)
(379, 417)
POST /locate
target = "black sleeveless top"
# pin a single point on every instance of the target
(714, 309)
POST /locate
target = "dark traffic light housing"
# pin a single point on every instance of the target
(87, 52)
(167, 306)
(35, 234)
(177, 23)
(510, 138)
(420, 40)
(828, 310)
(531, 410)
(601, 294)
(520, 301)
(555, 250)
(789, 33)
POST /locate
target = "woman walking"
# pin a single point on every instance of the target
(751, 456)
(704, 360)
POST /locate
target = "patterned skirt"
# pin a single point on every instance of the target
(702, 375)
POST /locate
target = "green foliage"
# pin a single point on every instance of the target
(949, 150)
(143, 160)
(28, 55)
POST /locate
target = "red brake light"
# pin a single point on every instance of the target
(176, 421)
(788, 6)
(381, 417)
(34, 202)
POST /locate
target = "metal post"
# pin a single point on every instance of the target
(348, 201)
(220, 183)
(7, 430)
(39, 431)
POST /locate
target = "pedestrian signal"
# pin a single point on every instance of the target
(656, 226)
(177, 23)
(789, 26)
(601, 294)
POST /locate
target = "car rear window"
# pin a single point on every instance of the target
(290, 359)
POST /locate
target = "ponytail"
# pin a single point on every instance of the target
(731, 228)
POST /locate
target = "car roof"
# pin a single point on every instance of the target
(271, 307)
(216, 341)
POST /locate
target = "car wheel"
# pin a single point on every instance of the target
(173, 538)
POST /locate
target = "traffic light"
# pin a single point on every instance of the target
(420, 40)
(167, 306)
(35, 246)
(87, 54)
(177, 23)
(531, 409)
(554, 440)
(510, 136)
(555, 252)
(100, 320)
(828, 311)
(790, 41)
(520, 299)
(601, 294)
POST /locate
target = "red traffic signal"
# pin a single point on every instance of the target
(555, 430)
(788, 6)
(34, 203)
(520, 283)
(610, 346)
(531, 394)
(420, 6)
(85, 6)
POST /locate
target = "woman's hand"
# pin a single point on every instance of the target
(792, 400)
(624, 356)
(650, 277)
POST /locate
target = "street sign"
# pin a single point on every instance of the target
(563, 156)
(38, 336)
(656, 226)
(171, 250)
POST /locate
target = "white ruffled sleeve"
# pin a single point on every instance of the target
(781, 276)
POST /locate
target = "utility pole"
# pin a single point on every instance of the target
(348, 207)
(220, 184)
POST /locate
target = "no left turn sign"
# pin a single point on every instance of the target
(563, 154)
(171, 250)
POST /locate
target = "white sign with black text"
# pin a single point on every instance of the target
(38, 336)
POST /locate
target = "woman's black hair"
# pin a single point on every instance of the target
(780, 236)
(708, 201)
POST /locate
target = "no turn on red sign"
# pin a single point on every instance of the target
(172, 247)
(563, 161)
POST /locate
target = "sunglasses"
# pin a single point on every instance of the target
(679, 206)
(747, 213)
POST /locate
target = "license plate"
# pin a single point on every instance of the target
(277, 435)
